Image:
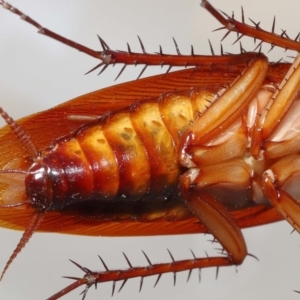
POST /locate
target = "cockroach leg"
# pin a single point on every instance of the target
(223, 112)
(32, 151)
(92, 278)
(113, 57)
(256, 32)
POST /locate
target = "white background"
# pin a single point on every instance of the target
(37, 73)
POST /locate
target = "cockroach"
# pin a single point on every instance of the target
(224, 282)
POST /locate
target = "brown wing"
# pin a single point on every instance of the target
(74, 224)
(46, 126)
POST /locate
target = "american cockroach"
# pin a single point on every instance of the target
(98, 246)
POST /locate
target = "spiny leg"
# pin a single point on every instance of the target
(111, 57)
(93, 278)
(256, 32)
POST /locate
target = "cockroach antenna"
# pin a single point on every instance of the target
(22, 137)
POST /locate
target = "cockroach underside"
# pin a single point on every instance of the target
(194, 128)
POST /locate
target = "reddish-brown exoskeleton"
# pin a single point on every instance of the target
(140, 247)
